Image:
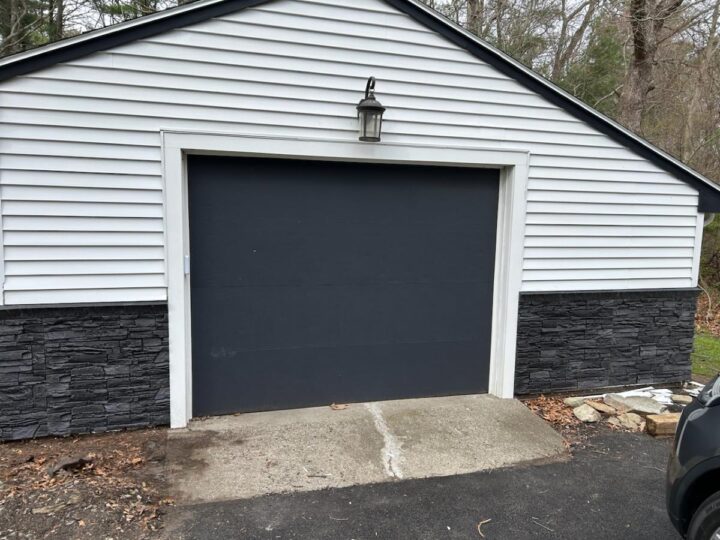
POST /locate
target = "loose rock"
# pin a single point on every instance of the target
(68, 464)
(645, 406)
(681, 399)
(601, 407)
(637, 404)
(617, 402)
(573, 401)
(585, 413)
(662, 424)
(631, 421)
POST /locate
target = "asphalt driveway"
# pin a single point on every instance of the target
(611, 489)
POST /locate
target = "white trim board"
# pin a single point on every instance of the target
(512, 163)
(697, 248)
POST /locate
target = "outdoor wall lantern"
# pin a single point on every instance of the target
(370, 113)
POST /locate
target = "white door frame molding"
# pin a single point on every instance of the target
(513, 164)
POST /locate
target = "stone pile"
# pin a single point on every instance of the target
(630, 410)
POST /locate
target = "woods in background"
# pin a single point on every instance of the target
(25, 24)
(652, 65)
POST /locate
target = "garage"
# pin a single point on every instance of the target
(316, 282)
(269, 205)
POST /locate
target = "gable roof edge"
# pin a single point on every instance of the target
(709, 191)
(201, 10)
(118, 34)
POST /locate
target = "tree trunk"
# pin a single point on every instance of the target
(638, 84)
(5, 10)
(56, 13)
(475, 16)
(568, 44)
(499, 12)
(13, 30)
(647, 21)
(60, 18)
(687, 150)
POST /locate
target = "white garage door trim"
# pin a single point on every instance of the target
(513, 165)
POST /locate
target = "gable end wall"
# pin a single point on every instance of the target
(80, 171)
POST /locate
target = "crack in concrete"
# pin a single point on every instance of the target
(392, 449)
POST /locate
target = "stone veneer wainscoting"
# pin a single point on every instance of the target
(575, 341)
(66, 370)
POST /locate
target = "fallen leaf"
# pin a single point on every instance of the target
(338, 406)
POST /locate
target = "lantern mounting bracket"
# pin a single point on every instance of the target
(370, 88)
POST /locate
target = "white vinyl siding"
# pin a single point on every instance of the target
(80, 156)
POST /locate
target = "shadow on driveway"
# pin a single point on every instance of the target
(611, 489)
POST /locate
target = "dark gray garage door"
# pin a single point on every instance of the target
(320, 282)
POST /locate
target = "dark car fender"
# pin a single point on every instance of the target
(692, 489)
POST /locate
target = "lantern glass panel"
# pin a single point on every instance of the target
(370, 125)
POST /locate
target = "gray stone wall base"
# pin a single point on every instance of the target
(580, 341)
(67, 370)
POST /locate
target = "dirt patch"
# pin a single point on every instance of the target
(552, 409)
(702, 379)
(90, 486)
(185, 450)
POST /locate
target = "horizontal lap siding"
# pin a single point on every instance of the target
(80, 157)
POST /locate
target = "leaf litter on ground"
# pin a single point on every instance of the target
(89, 486)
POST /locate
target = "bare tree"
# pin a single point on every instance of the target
(18, 22)
(569, 40)
(476, 16)
(706, 59)
(648, 20)
(55, 16)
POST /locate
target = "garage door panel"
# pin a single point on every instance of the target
(364, 192)
(295, 317)
(311, 278)
(322, 257)
(338, 375)
(324, 254)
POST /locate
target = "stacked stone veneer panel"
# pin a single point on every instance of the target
(72, 370)
(573, 341)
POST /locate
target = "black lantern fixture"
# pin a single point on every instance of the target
(370, 113)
